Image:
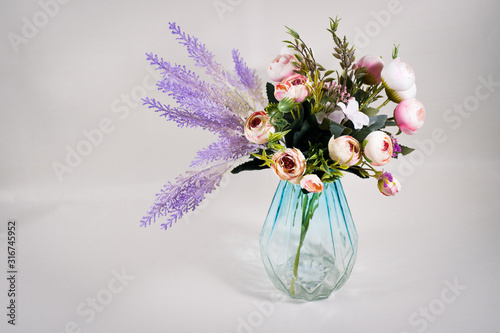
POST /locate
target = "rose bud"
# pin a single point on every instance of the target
(373, 67)
(258, 127)
(282, 66)
(388, 185)
(345, 150)
(399, 80)
(409, 115)
(311, 183)
(377, 148)
(295, 87)
(289, 164)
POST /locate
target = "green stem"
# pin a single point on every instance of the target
(375, 93)
(383, 104)
(308, 208)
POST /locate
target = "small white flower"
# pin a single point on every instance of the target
(351, 110)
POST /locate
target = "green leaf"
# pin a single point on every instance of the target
(253, 164)
(358, 172)
(360, 95)
(270, 93)
(293, 33)
(287, 104)
(370, 112)
(277, 136)
(377, 122)
(336, 130)
(275, 146)
(406, 150)
(329, 72)
(395, 51)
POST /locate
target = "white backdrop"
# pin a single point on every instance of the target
(427, 259)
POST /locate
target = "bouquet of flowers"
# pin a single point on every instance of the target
(315, 124)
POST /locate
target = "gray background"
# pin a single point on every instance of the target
(84, 64)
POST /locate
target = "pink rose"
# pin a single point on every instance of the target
(295, 87)
(258, 127)
(289, 164)
(388, 185)
(377, 148)
(399, 81)
(345, 150)
(281, 67)
(373, 67)
(311, 183)
(409, 115)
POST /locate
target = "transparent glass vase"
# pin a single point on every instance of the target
(309, 242)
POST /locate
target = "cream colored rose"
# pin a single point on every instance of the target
(345, 150)
(258, 127)
(378, 148)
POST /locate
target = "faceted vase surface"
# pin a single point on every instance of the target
(309, 242)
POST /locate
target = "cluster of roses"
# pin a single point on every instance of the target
(290, 164)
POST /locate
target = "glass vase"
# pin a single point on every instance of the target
(309, 242)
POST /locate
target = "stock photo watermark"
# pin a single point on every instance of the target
(381, 19)
(223, 6)
(89, 309)
(262, 310)
(94, 137)
(427, 314)
(11, 271)
(31, 26)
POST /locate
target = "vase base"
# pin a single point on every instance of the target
(317, 278)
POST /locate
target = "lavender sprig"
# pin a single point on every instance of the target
(248, 78)
(188, 191)
(201, 55)
(188, 90)
(188, 118)
(204, 58)
(226, 149)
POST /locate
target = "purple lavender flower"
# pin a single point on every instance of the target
(188, 191)
(248, 78)
(226, 149)
(219, 107)
(200, 54)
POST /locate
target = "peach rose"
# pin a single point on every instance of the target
(258, 127)
(281, 67)
(295, 87)
(311, 183)
(289, 164)
(344, 149)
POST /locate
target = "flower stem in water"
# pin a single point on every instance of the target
(308, 208)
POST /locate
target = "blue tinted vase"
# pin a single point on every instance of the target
(309, 242)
